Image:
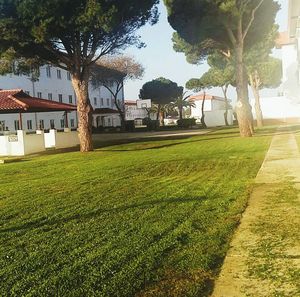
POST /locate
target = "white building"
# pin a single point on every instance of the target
(286, 106)
(133, 112)
(214, 110)
(55, 84)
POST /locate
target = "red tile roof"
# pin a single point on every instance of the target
(207, 97)
(12, 101)
(104, 111)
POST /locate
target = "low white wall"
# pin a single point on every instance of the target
(216, 118)
(21, 144)
(58, 140)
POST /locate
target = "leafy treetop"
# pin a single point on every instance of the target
(161, 91)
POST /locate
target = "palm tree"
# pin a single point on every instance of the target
(181, 103)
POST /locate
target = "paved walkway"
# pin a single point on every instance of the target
(264, 257)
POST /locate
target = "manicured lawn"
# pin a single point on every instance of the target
(144, 219)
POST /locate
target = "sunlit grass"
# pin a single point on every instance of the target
(151, 218)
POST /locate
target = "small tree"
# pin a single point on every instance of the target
(221, 74)
(228, 26)
(111, 73)
(263, 70)
(161, 91)
(73, 35)
(266, 74)
(180, 103)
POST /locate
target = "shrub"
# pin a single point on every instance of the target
(151, 124)
(129, 126)
(186, 123)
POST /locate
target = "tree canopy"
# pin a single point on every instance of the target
(203, 26)
(161, 91)
(229, 27)
(73, 35)
(111, 72)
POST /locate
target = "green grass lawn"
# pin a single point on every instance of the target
(151, 218)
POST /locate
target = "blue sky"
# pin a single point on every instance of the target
(159, 58)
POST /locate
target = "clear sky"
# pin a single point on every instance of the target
(159, 58)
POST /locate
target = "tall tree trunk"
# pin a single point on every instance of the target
(180, 113)
(202, 110)
(85, 111)
(258, 111)
(224, 89)
(243, 109)
(158, 112)
(255, 83)
(161, 118)
(121, 113)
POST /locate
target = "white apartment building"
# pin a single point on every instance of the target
(55, 84)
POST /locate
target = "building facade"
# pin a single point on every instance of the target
(286, 105)
(214, 110)
(55, 84)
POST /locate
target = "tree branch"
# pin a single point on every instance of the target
(252, 18)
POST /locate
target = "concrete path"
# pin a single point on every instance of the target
(264, 257)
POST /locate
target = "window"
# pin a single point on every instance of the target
(58, 73)
(72, 123)
(68, 75)
(62, 123)
(112, 103)
(60, 98)
(29, 124)
(50, 96)
(39, 94)
(27, 92)
(42, 126)
(95, 101)
(52, 125)
(70, 99)
(17, 125)
(109, 122)
(48, 71)
(102, 101)
(107, 101)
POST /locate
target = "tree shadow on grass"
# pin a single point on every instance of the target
(43, 222)
(205, 137)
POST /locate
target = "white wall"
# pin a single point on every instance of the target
(290, 66)
(209, 105)
(59, 140)
(216, 118)
(278, 108)
(21, 144)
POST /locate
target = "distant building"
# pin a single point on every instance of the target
(214, 110)
(132, 111)
(55, 84)
(286, 106)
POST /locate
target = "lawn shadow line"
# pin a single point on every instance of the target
(42, 222)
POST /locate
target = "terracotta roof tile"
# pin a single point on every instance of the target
(18, 101)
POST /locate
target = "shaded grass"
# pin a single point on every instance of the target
(152, 218)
